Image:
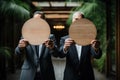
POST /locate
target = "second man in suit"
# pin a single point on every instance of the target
(78, 57)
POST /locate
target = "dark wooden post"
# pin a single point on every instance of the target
(109, 29)
(117, 40)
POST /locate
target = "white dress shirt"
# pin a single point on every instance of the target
(40, 47)
(79, 49)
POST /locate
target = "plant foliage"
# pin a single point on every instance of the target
(6, 52)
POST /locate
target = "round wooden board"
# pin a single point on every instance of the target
(82, 31)
(36, 31)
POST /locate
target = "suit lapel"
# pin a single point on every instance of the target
(42, 51)
(32, 54)
(74, 54)
(34, 50)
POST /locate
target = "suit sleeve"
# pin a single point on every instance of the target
(61, 51)
(52, 37)
(95, 54)
(54, 51)
(19, 51)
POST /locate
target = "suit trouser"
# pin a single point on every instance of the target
(38, 76)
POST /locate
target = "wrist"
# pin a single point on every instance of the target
(96, 49)
(65, 48)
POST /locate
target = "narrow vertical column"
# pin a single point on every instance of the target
(108, 37)
(117, 40)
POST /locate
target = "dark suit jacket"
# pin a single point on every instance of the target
(31, 61)
(78, 69)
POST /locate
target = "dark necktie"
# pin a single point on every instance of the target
(37, 50)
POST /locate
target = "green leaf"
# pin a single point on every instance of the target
(6, 52)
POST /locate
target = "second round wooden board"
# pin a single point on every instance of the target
(82, 31)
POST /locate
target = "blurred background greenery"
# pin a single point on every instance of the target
(13, 14)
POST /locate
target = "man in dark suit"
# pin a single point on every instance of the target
(37, 63)
(78, 58)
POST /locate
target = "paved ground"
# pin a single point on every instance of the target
(98, 76)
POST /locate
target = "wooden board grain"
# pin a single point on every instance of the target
(36, 31)
(82, 31)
